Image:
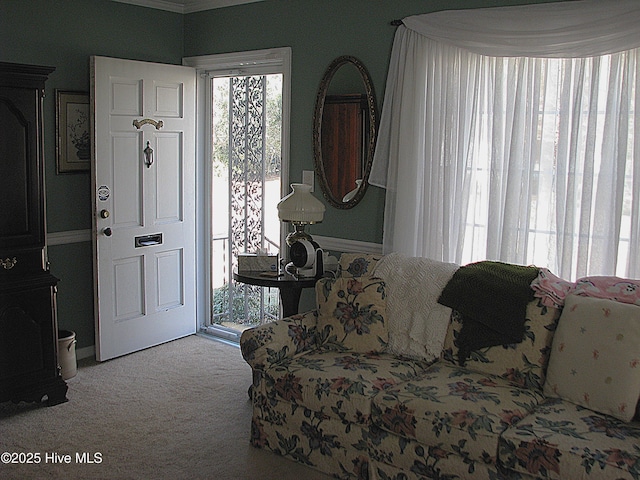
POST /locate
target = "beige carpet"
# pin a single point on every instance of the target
(176, 411)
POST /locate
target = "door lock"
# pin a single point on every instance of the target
(107, 232)
(104, 213)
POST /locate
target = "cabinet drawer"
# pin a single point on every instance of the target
(14, 263)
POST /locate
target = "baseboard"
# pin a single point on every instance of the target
(85, 352)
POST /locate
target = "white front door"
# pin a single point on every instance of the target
(144, 203)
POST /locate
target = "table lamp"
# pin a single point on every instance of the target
(300, 208)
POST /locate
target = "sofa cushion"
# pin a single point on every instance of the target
(337, 384)
(522, 364)
(561, 440)
(450, 406)
(398, 458)
(355, 265)
(351, 314)
(595, 359)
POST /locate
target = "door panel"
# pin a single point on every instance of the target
(123, 178)
(169, 182)
(126, 96)
(169, 266)
(128, 285)
(168, 100)
(145, 246)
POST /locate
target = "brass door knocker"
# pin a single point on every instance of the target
(148, 156)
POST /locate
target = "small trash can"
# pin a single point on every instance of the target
(67, 354)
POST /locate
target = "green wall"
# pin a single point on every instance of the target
(318, 31)
(64, 33)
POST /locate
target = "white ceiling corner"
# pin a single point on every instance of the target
(186, 6)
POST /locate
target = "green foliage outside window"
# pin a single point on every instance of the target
(252, 316)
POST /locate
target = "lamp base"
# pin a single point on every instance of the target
(298, 234)
(299, 272)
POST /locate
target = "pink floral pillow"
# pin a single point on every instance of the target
(613, 288)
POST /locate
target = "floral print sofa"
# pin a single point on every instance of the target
(328, 392)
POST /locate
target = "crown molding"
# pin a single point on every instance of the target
(186, 6)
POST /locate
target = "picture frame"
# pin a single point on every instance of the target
(73, 139)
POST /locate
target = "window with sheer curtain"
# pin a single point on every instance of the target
(512, 134)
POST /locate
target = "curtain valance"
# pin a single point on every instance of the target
(576, 28)
(511, 134)
(562, 29)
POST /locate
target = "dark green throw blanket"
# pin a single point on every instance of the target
(492, 298)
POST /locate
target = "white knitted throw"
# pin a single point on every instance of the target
(417, 322)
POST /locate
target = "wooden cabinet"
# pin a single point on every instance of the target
(28, 324)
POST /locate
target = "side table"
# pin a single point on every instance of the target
(290, 287)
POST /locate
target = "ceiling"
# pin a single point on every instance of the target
(186, 6)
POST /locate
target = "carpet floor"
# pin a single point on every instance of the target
(176, 411)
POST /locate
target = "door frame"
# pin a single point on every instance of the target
(254, 62)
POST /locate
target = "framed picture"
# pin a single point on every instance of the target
(73, 142)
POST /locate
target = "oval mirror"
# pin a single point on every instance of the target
(344, 131)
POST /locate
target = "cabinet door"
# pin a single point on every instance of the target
(27, 343)
(21, 224)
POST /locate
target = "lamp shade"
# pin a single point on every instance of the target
(300, 206)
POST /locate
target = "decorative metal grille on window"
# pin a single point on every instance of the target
(247, 172)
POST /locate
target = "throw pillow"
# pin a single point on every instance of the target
(595, 360)
(351, 314)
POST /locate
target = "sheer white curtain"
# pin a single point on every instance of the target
(512, 134)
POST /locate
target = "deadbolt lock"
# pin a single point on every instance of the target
(104, 213)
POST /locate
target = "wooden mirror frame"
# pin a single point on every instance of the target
(371, 130)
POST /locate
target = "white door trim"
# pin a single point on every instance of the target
(254, 62)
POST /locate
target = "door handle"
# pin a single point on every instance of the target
(107, 232)
(8, 263)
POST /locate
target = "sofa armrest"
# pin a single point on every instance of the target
(272, 342)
